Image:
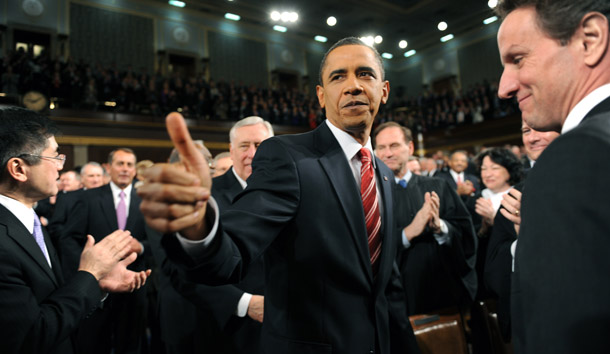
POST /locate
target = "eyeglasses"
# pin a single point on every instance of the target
(59, 160)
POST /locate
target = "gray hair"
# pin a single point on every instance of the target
(252, 120)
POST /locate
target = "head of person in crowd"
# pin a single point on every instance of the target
(122, 166)
(431, 165)
(70, 181)
(92, 175)
(394, 146)
(29, 155)
(352, 87)
(222, 163)
(414, 166)
(499, 169)
(535, 141)
(515, 149)
(458, 161)
(554, 54)
(245, 136)
(174, 156)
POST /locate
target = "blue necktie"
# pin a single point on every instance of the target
(403, 183)
(39, 237)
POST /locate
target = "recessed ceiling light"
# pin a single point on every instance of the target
(331, 21)
(492, 3)
(403, 44)
(410, 53)
(447, 38)
(275, 15)
(232, 17)
(490, 20)
(387, 56)
(176, 3)
(378, 39)
(280, 28)
(442, 26)
(321, 39)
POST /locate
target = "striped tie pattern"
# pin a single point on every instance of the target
(370, 203)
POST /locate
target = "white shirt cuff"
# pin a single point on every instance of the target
(405, 240)
(242, 305)
(513, 248)
(443, 236)
(196, 248)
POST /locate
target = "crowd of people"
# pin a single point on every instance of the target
(82, 85)
(327, 241)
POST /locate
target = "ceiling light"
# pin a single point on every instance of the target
(447, 38)
(176, 3)
(275, 16)
(368, 40)
(442, 26)
(331, 21)
(321, 39)
(280, 28)
(285, 16)
(293, 17)
(387, 56)
(378, 39)
(490, 20)
(232, 17)
(410, 53)
(403, 44)
(492, 3)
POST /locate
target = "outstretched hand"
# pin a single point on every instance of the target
(99, 258)
(121, 279)
(175, 199)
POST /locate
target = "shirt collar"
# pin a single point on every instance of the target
(578, 113)
(406, 177)
(20, 210)
(349, 145)
(239, 179)
(116, 190)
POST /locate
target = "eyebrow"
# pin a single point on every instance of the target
(359, 69)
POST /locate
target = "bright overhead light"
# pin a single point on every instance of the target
(378, 39)
(280, 28)
(387, 56)
(368, 40)
(176, 3)
(293, 17)
(442, 26)
(492, 3)
(232, 17)
(321, 39)
(490, 20)
(410, 53)
(447, 38)
(403, 44)
(331, 21)
(275, 15)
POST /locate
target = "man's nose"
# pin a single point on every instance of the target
(509, 85)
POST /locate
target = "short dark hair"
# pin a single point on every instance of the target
(23, 132)
(350, 41)
(557, 18)
(124, 149)
(504, 158)
(406, 132)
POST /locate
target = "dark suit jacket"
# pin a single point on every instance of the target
(39, 312)
(69, 249)
(215, 305)
(498, 266)
(436, 276)
(303, 209)
(560, 287)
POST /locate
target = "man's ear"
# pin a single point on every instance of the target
(386, 92)
(320, 94)
(593, 34)
(17, 169)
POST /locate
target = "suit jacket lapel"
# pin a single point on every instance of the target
(603, 106)
(20, 234)
(385, 180)
(107, 206)
(339, 173)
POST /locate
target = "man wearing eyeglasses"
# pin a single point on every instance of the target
(41, 311)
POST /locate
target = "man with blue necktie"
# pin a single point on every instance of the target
(437, 237)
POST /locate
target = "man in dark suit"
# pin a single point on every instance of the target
(304, 210)
(434, 229)
(228, 317)
(556, 59)
(98, 212)
(41, 311)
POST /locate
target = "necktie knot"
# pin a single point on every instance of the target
(403, 183)
(365, 156)
(122, 195)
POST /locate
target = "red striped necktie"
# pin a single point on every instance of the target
(368, 192)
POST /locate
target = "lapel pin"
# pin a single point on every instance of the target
(385, 178)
